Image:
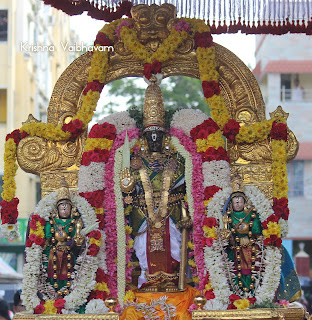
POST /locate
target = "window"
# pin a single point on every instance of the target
(295, 170)
(3, 25)
(3, 106)
(285, 87)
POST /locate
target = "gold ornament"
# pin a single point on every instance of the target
(238, 189)
(153, 109)
(63, 192)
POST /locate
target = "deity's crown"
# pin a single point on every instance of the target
(238, 188)
(63, 191)
(153, 109)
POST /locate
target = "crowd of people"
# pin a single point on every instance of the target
(5, 310)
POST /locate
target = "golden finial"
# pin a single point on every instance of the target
(31, 119)
(279, 113)
(63, 191)
(153, 109)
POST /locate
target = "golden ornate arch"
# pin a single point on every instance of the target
(239, 88)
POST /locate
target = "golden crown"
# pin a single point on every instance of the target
(63, 191)
(153, 109)
(238, 188)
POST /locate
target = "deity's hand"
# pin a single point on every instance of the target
(185, 223)
(126, 180)
(225, 234)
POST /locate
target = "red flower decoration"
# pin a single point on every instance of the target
(96, 294)
(271, 218)
(39, 309)
(95, 234)
(203, 130)
(273, 240)
(28, 243)
(280, 207)
(101, 220)
(210, 191)
(231, 306)
(95, 198)
(102, 40)
(210, 222)
(203, 39)
(9, 211)
(212, 154)
(252, 300)
(100, 276)
(279, 131)
(16, 135)
(233, 297)
(59, 303)
(74, 127)
(39, 241)
(95, 85)
(209, 294)
(104, 130)
(93, 249)
(96, 155)
(151, 68)
(207, 242)
(231, 129)
(210, 88)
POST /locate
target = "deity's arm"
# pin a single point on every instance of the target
(257, 227)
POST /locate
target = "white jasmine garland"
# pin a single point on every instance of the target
(120, 222)
(91, 177)
(96, 306)
(84, 274)
(271, 277)
(259, 200)
(215, 206)
(10, 231)
(217, 173)
(188, 173)
(284, 227)
(187, 119)
(102, 253)
(121, 120)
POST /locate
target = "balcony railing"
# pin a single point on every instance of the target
(296, 94)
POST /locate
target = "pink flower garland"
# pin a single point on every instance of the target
(198, 196)
(110, 212)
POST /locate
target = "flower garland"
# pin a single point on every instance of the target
(108, 167)
(215, 261)
(205, 53)
(210, 149)
(85, 273)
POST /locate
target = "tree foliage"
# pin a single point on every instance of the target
(179, 92)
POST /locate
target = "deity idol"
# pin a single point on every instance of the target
(63, 242)
(155, 187)
(242, 227)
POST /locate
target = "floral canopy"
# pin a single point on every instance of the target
(223, 16)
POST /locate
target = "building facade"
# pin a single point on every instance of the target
(284, 72)
(32, 59)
